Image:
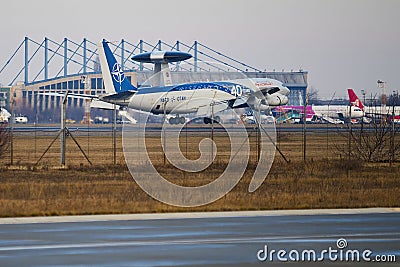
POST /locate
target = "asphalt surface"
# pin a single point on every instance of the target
(203, 239)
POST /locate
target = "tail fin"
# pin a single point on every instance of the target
(354, 100)
(114, 78)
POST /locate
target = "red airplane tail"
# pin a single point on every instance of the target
(354, 100)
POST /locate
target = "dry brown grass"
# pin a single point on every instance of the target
(324, 181)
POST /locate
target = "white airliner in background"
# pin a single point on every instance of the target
(355, 110)
(332, 114)
(201, 98)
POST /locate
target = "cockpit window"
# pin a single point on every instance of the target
(273, 90)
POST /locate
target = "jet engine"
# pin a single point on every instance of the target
(277, 99)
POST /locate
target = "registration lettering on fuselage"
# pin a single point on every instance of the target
(172, 99)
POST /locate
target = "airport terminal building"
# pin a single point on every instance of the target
(80, 71)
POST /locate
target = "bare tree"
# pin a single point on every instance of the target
(312, 95)
(377, 142)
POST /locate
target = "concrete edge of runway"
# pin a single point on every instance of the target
(189, 215)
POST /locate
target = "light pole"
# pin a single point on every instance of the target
(63, 130)
(84, 81)
(115, 134)
(305, 101)
(392, 133)
(363, 93)
(362, 119)
(382, 85)
(12, 131)
(327, 123)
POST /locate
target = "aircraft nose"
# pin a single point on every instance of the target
(285, 91)
(284, 99)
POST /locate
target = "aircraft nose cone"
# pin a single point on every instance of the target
(284, 99)
(285, 91)
(360, 114)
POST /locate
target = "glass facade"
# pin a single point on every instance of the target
(296, 95)
(93, 83)
(99, 83)
(74, 86)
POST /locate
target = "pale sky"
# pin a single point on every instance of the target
(341, 43)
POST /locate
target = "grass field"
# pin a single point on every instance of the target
(325, 180)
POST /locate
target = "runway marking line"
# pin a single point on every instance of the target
(190, 215)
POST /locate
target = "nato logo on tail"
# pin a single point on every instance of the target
(114, 77)
(117, 73)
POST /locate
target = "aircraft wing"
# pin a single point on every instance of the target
(119, 98)
(208, 110)
(83, 96)
(241, 102)
(264, 90)
(261, 96)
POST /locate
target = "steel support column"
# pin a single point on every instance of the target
(65, 56)
(84, 56)
(177, 48)
(46, 58)
(122, 53)
(195, 56)
(26, 60)
(141, 51)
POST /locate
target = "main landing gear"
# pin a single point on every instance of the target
(182, 120)
(177, 120)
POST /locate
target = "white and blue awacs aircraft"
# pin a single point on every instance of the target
(196, 97)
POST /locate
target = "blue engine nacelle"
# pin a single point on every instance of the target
(277, 100)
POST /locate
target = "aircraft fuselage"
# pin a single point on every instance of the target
(189, 98)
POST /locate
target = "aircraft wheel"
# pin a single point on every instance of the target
(172, 120)
(181, 120)
(207, 120)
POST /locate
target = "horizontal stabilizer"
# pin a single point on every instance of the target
(122, 98)
(126, 114)
(102, 105)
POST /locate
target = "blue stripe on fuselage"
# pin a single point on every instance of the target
(221, 86)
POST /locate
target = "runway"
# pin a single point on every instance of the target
(197, 239)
